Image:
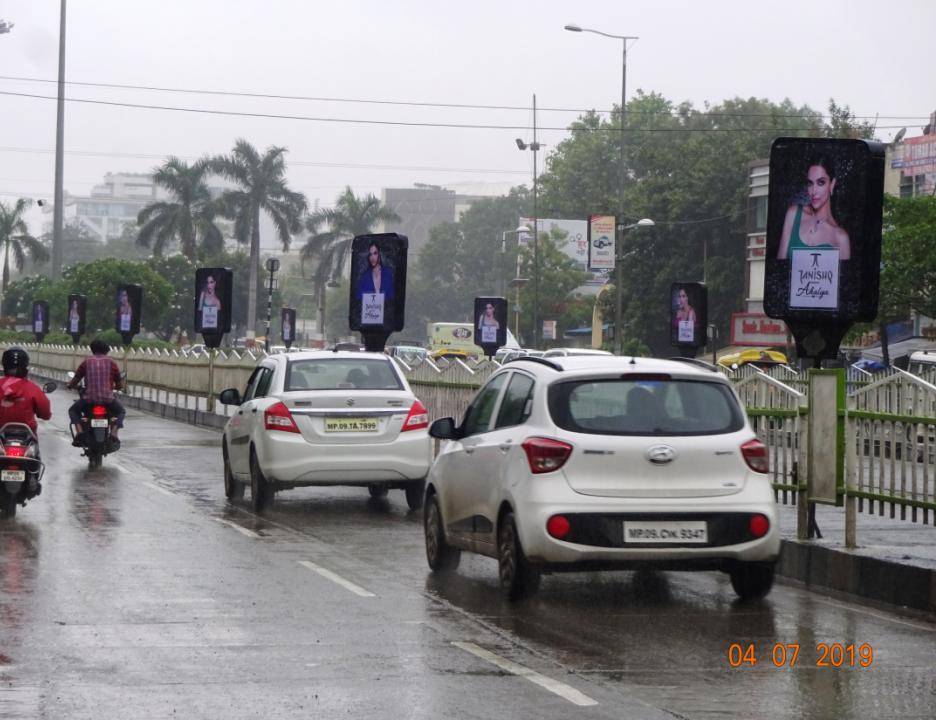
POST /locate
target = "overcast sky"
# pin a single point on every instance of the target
(876, 57)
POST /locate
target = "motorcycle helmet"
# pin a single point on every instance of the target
(15, 362)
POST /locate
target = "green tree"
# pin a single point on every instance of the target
(908, 257)
(16, 240)
(351, 216)
(686, 168)
(263, 188)
(189, 217)
(179, 313)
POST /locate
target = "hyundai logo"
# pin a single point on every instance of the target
(661, 454)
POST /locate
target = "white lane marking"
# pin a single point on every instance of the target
(564, 691)
(880, 616)
(241, 530)
(337, 579)
(157, 488)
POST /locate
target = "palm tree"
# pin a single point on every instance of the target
(190, 216)
(263, 188)
(16, 240)
(351, 216)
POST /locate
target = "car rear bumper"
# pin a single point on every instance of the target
(597, 538)
(287, 459)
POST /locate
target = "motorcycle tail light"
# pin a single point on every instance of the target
(99, 411)
(15, 450)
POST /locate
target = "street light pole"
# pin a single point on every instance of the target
(621, 172)
(58, 216)
(618, 262)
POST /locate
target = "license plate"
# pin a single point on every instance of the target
(99, 423)
(351, 424)
(665, 532)
(12, 476)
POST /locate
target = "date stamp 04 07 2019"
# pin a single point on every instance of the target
(829, 655)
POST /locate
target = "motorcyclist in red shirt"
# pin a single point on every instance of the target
(21, 401)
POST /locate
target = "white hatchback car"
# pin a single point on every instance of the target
(591, 463)
(325, 418)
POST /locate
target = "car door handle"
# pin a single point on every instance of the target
(505, 446)
(469, 450)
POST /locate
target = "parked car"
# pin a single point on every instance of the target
(410, 354)
(569, 352)
(325, 418)
(598, 463)
(450, 354)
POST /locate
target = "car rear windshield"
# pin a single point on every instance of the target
(619, 406)
(341, 374)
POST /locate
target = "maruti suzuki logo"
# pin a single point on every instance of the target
(349, 402)
(661, 454)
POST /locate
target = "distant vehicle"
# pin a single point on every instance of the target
(194, 350)
(459, 336)
(410, 354)
(759, 357)
(325, 418)
(450, 354)
(583, 464)
(922, 360)
(511, 355)
(346, 347)
(568, 352)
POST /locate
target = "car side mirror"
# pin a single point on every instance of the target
(443, 429)
(231, 396)
(49, 387)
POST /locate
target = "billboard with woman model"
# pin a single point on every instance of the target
(824, 230)
(213, 293)
(128, 304)
(688, 313)
(75, 320)
(490, 315)
(378, 283)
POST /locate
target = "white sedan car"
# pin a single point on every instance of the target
(325, 418)
(597, 462)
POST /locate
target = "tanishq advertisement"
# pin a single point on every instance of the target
(378, 282)
(824, 230)
(213, 298)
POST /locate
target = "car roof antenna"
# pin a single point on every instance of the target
(632, 362)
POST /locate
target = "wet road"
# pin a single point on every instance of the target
(138, 591)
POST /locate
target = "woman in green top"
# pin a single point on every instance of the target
(812, 225)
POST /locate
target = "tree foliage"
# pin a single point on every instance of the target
(16, 241)
(686, 169)
(908, 257)
(190, 216)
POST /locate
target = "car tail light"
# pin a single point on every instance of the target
(758, 525)
(755, 455)
(278, 417)
(545, 454)
(99, 411)
(558, 526)
(417, 419)
(15, 451)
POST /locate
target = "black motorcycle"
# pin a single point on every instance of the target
(97, 427)
(20, 467)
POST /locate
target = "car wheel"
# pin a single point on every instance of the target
(378, 491)
(260, 493)
(517, 577)
(751, 580)
(442, 557)
(414, 494)
(233, 490)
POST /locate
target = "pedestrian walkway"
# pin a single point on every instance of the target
(894, 563)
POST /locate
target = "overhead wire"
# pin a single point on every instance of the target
(396, 123)
(424, 104)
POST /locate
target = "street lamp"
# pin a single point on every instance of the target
(623, 39)
(618, 262)
(517, 280)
